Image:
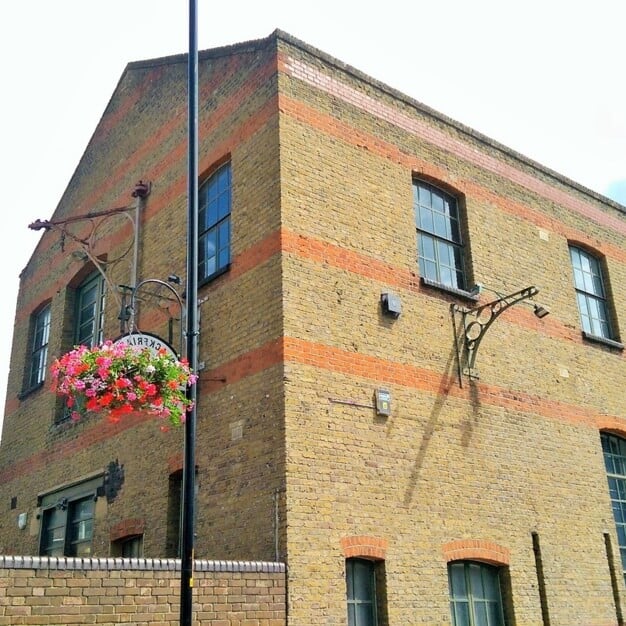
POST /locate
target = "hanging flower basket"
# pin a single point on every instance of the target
(119, 379)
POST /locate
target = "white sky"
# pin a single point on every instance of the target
(544, 77)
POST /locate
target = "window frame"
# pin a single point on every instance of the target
(215, 220)
(451, 241)
(38, 353)
(128, 547)
(64, 508)
(591, 294)
(618, 505)
(472, 599)
(353, 602)
(95, 335)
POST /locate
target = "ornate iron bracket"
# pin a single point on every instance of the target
(98, 221)
(129, 312)
(476, 323)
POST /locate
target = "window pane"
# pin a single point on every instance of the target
(429, 270)
(426, 246)
(80, 526)
(494, 614)
(441, 227)
(457, 581)
(491, 585)
(426, 220)
(476, 581)
(480, 614)
(362, 581)
(460, 614)
(446, 277)
(437, 202)
(365, 616)
(352, 615)
(53, 532)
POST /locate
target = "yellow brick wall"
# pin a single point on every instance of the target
(114, 591)
(495, 460)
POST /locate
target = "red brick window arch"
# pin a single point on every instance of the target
(476, 550)
(364, 546)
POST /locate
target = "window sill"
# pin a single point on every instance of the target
(205, 281)
(603, 340)
(461, 293)
(31, 390)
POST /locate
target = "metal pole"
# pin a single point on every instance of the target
(189, 461)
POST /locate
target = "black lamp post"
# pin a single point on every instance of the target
(189, 461)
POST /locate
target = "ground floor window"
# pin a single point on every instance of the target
(361, 589)
(614, 449)
(67, 528)
(67, 519)
(475, 598)
(128, 547)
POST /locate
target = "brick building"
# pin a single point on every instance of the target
(358, 418)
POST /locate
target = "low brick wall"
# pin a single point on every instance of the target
(142, 592)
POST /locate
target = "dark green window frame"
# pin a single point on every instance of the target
(440, 249)
(89, 319)
(614, 452)
(39, 347)
(67, 519)
(214, 207)
(475, 596)
(361, 592)
(590, 293)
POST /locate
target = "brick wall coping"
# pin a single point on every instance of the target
(69, 563)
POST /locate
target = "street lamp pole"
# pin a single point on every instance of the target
(189, 461)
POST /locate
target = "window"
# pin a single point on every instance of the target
(39, 347)
(128, 547)
(590, 293)
(174, 514)
(67, 518)
(361, 590)
(90, 312)
(614, 449)
(440, 250)
(475, 598)
(214, 201)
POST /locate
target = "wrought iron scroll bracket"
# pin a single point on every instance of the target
(475, 324)
(92, 226)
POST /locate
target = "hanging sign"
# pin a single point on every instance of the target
(147, 340)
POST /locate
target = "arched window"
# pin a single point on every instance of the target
(590, 293)
(361, 592)
(475, 598)
(439, 241)
(614, 450)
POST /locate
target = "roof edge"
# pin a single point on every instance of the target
(441, 117)
(253, 45)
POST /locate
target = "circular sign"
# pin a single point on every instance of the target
(147, 340)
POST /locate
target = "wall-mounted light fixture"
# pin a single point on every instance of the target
(476, 323)
(391, 304)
